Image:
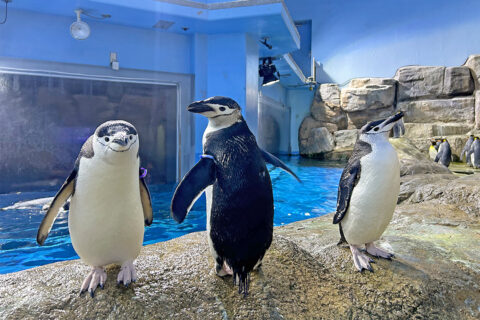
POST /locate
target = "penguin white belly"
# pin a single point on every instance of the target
(433, 153)
(106, 216)
(472, 158)
(374, 197)
(209, 196)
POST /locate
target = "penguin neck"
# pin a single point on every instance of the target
(375, 140)
(215, 124)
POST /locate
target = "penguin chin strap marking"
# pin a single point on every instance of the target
(144, 172)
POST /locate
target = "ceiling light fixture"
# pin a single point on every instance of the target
(79, 29)
(267, 70)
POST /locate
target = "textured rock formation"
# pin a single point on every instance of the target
(305, 275)
(367, 98)
(473, 62)
(416, 82)
(326, 107)
(345, 138)
(319, 141)
(458, 81)
(459, 109)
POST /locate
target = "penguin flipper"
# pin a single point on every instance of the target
(191, 187)
(146, 202)
(348, 180)
(274, 161)
(67, 189)
(437, 157)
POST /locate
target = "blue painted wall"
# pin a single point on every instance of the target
(374, 38)
(37, 36)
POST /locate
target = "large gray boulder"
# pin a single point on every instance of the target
(458, 81)
(305, 275)
(477, 109)
(438, 129)
(326, 106)
(473, 62)
(370, 96)
(362, 82)
(318, 142)
(345, 138)
(459, 109)
(357, 119)
(416, 82)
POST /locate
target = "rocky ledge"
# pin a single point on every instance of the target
(305, 275)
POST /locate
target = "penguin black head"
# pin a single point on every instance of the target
(116, 136)
(433, 142)
(381, 126)
(216, 107)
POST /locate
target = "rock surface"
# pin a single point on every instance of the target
(435, 275)
(326, 106)
(458, 81)
(473, 62)
(460, 109)
(345, 138)
(416, 82)
(319, 141)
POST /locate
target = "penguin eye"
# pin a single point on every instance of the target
(376, 129)
(222, 108)
(131, 137)
(107, 139)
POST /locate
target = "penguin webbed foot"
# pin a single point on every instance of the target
(243, 282)
(361, 260)
(377, 252)
(127, 274)
(95, 278)
(222, 269)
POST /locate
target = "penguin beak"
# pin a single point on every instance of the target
(199, 107)
(122, 142)
(392, 119)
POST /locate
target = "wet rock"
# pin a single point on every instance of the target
(460, 109)
(304, 275)
(345, 138)
(416, 82)
(458, 81)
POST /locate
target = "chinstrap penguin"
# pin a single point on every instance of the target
(233, 173)
(444, 155)
(109, 204)
(474, 153)
(368, 191)
(466, 149)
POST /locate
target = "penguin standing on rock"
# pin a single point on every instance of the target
(474, 153)
(444, 155)
(109, 204)
(466, 149)
(239, 195)
(368, 191)
(432, 151)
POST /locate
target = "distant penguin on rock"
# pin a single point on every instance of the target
(444, 155)
(466, 149)
(474, 153)
(368, 191)
(239, 195)
(432, 151)
(109, 204)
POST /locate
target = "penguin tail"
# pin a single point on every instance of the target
(243, 281)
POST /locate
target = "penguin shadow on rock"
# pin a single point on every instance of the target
(234, 176)
(368, 192)
(109, 204)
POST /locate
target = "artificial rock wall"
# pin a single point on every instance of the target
(437, 101)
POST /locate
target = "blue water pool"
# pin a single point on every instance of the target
(293, 202)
